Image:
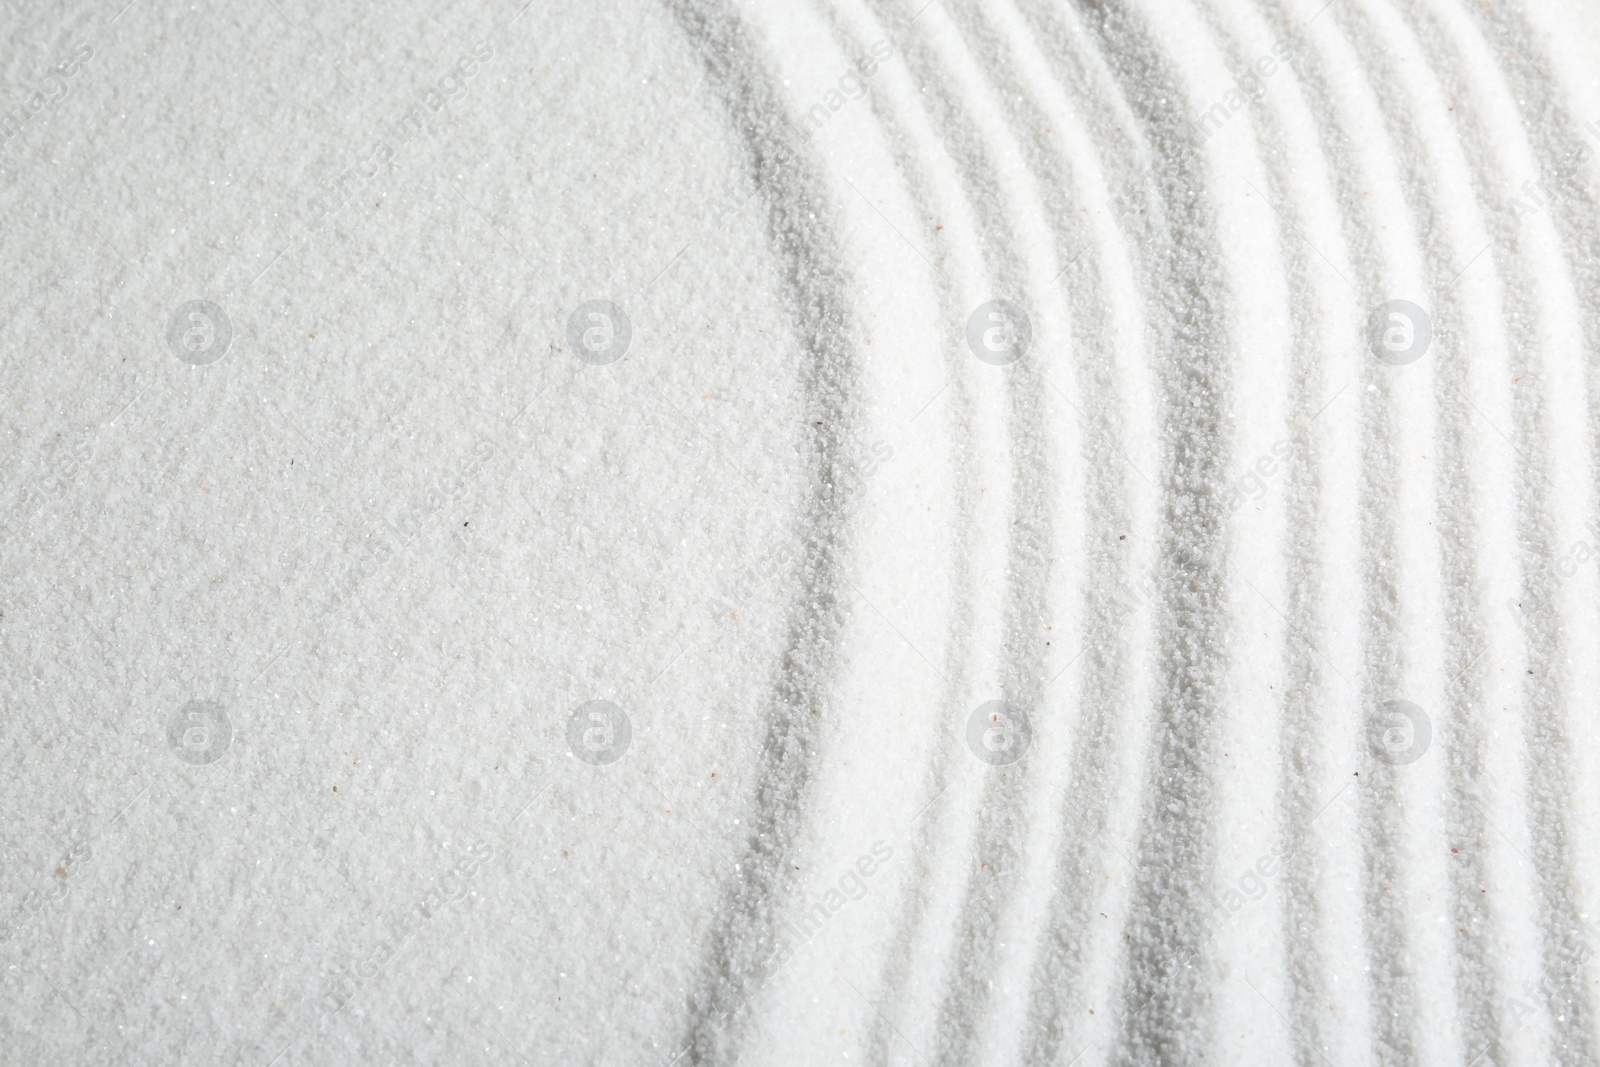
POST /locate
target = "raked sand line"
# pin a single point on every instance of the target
(1059, 1008)
(1555, 134)
(1483, 1005)
(1106, 674)
(812, 270)
(998, 853)
(963, 1005)
(1383, 662)
(1302, 757)
(1457, 522)
(959, 405)
(1166, 1014)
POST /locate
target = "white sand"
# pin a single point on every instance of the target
(643, 534)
